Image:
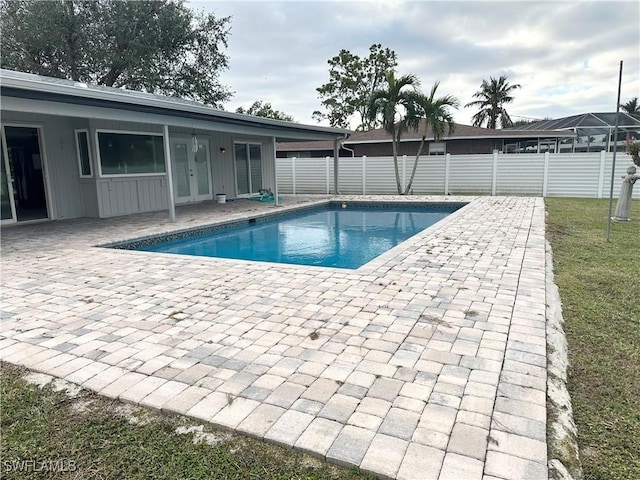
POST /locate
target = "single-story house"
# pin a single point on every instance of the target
(465, 139)
(75, 150)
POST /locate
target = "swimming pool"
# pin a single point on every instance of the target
(334, 235)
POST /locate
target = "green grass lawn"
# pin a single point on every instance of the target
(599, 286)
(90, 437)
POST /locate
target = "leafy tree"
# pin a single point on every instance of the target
(352, 80)
(156, 46)
(437, 118)
(632, 107)
(396, 104)
(528, 121)
(264, 109)
(492, 97)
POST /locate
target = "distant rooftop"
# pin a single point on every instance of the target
(587, 123)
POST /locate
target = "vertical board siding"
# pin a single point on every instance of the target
(62, 162)
(470, 174)
(123, 196)
(89, 198)
(152, 194)
(222, 167)
(268, 165)
(521, 174)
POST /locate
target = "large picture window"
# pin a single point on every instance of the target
(130, 153)
(84, 154)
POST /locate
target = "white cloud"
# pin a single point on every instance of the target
(565, 54)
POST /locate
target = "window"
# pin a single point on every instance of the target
(84, 153)
(299, 154)
(437, 148)
(130, 153)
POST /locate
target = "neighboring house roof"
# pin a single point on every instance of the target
(36, 87)
(460, 132)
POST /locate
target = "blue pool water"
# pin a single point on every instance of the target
(330, 237)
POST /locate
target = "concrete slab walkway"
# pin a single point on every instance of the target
(427, 363)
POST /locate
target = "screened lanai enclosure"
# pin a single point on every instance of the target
(594, 132)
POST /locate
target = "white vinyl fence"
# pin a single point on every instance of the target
(549, 175)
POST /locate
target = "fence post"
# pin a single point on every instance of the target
(494, 178)
(293, 175)
(404, 172)
(327, 179)
(601, 175)
(545, 174)
(364, 174)
(447, 159)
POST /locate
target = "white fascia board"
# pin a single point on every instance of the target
(84, 111)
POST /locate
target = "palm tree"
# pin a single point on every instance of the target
(396, 104)
(435, 113)
(631, 107)
(493, 95)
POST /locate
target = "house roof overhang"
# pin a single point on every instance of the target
(34, 93)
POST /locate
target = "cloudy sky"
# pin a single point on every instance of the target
(564, 54)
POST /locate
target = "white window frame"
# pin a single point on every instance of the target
(86, 131)
(124, 175)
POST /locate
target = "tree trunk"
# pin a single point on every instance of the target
(110, 77)
(394, 143)
(70, 36)
(415, 167)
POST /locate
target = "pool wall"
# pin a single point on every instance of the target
(139, 243)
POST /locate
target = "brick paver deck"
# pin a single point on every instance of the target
(429, 362)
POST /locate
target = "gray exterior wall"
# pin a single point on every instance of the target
(70, 196)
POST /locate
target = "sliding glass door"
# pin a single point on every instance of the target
(5, 191)
(248, 162)
(22, 181)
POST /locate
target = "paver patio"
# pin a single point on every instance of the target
(429, 362)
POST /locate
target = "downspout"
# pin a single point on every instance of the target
(275, 173)
(353, 153)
